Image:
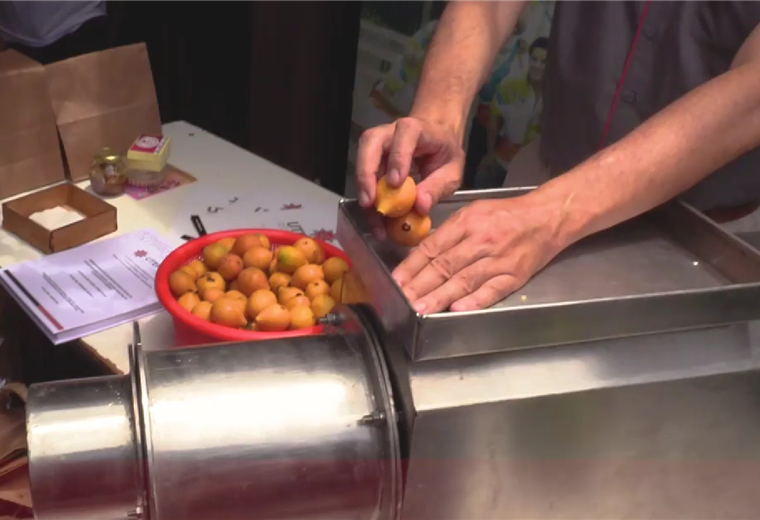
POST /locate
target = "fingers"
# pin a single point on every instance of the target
(451, 265)
(438, 185)
(481, 280)
(402, 149)
(491, 292)
(369, 159)
(376, 225)
(443, 239)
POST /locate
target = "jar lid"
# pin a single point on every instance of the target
(108, 156)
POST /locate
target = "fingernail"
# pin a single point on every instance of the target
(420, 307)
(394, 176)
(364, 199)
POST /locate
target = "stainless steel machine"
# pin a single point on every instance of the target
(621, 383)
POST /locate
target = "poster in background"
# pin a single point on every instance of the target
(393, 42)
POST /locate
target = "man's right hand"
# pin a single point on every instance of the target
(390, 150)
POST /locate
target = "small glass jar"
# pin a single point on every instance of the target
(143, 178)
(108, 174)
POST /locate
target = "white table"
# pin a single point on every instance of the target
(213, 162)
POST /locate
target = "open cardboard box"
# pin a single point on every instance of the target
(99, 218)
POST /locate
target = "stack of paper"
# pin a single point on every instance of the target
(94, 287)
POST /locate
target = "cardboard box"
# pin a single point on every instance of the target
(30, 155)
(102, 99)
(99, 218)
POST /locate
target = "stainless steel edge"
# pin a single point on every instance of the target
(142, 507)
(390, 304)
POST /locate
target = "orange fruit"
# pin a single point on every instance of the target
(311, 249)
(336, 290)
(252, 279)
(203, 310)
(334, 268)
(211, 280)
(322, 305)
(297, 301)
(278, 280)
(199, 267)
(258, 257)
(264, 240)
(289, 259)
(245, 242)
(286, 293)
(316, 288)
(180, 283)
(235, 295)
(188, 301)
(234, 286)
(273, 318)
(259, 301)
(395, 202)
(230, 266)
(410, 229)
(212, 294)
(213, 255)
(227, 243)
(228, 312)
(189, 271)
(306, 274)
(301, 317)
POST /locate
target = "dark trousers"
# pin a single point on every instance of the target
(92, 36)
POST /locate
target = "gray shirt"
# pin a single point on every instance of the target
(38, 24)
(681, 46)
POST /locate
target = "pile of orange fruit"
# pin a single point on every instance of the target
(403, 225)
(244, 283)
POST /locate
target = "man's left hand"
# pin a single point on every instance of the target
(480, 255)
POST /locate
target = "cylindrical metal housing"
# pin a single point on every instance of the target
(301, 428)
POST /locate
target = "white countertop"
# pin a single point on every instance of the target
(216, 164)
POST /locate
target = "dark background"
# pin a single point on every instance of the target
(275, 78)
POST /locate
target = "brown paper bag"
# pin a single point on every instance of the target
(30, 156)
(102, 99)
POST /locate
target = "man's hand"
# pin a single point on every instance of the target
(390, 149)
(480, 255)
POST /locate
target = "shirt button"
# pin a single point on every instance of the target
(629, 96)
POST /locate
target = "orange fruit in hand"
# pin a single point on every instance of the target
(395, 202)
(334, 268)
(410, 229)
(228, 312)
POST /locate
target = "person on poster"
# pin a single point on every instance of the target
(643, 101)
(514, 117)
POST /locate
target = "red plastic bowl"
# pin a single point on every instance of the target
(189, 329)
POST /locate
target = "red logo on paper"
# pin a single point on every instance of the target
(141, 253)
(292, 206)
(147, 143)
(324, 234)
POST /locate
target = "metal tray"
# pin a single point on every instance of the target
(671, 269)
